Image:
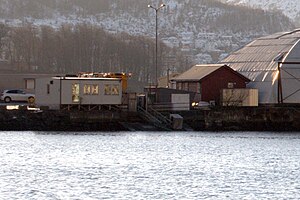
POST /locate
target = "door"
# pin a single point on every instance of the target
(75, 93)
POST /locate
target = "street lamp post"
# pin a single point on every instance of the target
(156, 38)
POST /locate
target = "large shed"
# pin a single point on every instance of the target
(207, 80)
(272, 63)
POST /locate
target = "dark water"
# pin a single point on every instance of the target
(37, 165)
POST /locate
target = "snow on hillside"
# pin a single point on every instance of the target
(204, 32)
(290, 8)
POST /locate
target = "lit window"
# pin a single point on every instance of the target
(87, 89)
(111, 90)
(107, 90)
(95, 89)
(91, 89)
(115, 90)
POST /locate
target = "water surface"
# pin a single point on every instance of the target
(144, 165)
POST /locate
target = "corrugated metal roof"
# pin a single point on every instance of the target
(253, 57)
(263, 49)
(198, 72)
(273, 36)
(259, 55)
(273, 42)
(253, 66)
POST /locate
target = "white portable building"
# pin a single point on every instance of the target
(56, 92)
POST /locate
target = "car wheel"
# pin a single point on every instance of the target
(7, 99)
(30, 99)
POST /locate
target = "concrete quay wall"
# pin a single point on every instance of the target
(216, 119)
(245, 119)
(49, 120)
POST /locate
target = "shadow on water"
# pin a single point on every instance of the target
(78, 133)
(229, 135)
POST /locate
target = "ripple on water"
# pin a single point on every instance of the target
(149, 166)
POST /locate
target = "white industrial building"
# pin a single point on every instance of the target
(272, 63)
(59, 92)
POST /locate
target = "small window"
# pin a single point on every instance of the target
(111, 90)
(87, 89)
(115, 90)
(107, 90)
(179, 86)
(91, 89)
(230, 85)
(29, 83)
(186, 86)
(95, 89)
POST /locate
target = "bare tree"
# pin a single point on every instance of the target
(234, 97)
(83, 47)
(24, 41)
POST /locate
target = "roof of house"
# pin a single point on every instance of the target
(198, 72)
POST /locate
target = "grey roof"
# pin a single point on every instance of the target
(259, 62)
(197, 72)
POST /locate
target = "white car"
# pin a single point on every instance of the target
(16, 95)
(200, 105)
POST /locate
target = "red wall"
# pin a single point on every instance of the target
(212, 84)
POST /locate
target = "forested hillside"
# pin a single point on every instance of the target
(290, 8)
(208, 15)
(73, 49)
(67, 36)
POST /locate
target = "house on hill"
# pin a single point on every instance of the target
(207, 81)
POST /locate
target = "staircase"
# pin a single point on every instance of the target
(156, 118)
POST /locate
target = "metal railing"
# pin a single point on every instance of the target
(155, 118)
(160, 116)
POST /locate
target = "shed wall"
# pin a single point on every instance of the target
(290, 76)
(18, 81)
(213, 83)
(47, 92)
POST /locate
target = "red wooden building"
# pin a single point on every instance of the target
(208, 80)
